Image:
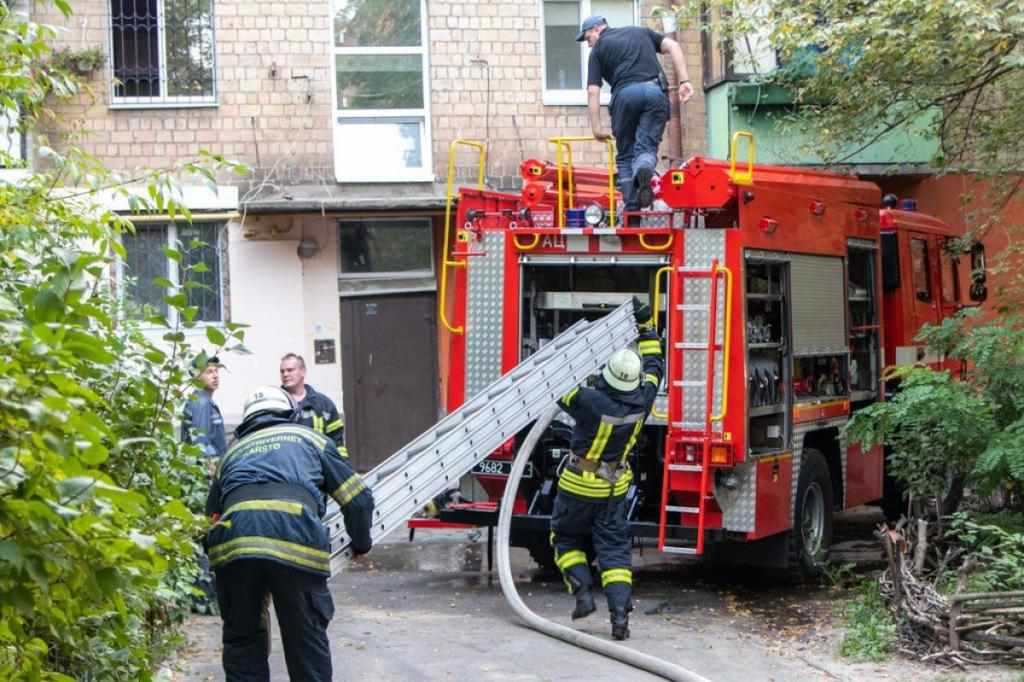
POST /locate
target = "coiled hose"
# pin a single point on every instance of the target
(651, 664)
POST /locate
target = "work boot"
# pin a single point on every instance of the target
(642, 187)
(620, 623)
(584, 605)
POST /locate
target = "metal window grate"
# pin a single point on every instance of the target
(207, 296)
(136, 47)
(145, 260)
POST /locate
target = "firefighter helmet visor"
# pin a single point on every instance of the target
(622, 371)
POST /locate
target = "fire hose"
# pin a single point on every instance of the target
(651, 664)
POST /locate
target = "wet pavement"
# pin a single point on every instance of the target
(430, 610)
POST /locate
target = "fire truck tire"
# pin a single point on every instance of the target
(811, 536)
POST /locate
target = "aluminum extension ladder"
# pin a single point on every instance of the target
(437, 459)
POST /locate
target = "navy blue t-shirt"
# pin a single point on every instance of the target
(625, 55)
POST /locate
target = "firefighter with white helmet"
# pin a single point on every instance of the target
(591, 500)
(268, 537)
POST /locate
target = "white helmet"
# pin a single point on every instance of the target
(622, 371)
(267, 399)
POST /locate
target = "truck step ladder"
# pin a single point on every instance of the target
(433, 462)
(706, 350)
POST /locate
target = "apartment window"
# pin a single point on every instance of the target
(162, 53)
(565, 60)
(382, 117)
(146, 268)
(398, 247)
(738, 59)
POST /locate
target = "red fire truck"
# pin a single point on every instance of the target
(776, 291)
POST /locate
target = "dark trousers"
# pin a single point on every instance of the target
(574, 521)
(639, 113)
(304, 608)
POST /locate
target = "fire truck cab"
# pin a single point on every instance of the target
(769, 287)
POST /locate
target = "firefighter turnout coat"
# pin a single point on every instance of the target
(267, 502)
(319, 413)
(608, 423)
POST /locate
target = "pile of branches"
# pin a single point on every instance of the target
(964, 628)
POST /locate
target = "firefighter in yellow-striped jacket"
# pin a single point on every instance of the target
(266, 500)
(316, 410)
(591, 500)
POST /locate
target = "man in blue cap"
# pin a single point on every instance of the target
(627, 59)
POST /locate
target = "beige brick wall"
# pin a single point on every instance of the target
(271, 55)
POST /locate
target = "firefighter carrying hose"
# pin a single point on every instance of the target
(591, 500)
(268, 538)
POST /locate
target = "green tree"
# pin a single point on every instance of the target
(96, 531)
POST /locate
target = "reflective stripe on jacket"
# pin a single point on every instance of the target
(285, 526)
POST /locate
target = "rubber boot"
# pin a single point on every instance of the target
(584, 604)
(620, 623)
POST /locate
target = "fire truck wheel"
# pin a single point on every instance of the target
(811, 536)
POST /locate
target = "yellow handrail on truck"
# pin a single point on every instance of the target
(566, 142)
(445, 261)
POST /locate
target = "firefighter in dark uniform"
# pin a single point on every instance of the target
(268, 538)
(591, 500)
(316, 410)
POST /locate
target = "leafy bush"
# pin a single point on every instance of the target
(940, 427)
(96, 530)
(997, 543)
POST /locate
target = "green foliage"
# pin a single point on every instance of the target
(80, 62)
(939, 427)
(97, 496)
(997, 546)
(870, 629)
(863, 69)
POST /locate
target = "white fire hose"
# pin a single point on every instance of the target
(651, 664)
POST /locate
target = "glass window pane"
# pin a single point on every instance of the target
(386, 246)
(919, 264)
(379, 147)
(189, 44)
(949, 280)
(380, 81)
(207, 296)
(377, 23)
(145, 260)
(562, 54)
(617, 12)
(136, 48)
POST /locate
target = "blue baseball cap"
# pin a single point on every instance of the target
(589, 23)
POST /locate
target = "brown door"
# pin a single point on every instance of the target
(389, 372)
(924, 281)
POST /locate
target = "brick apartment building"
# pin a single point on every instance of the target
(345, 112)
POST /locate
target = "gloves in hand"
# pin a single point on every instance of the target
(642, 314)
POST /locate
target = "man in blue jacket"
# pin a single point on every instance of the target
(591, 499)
(202, 423)
(268, 538)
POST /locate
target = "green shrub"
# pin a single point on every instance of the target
(870, 629)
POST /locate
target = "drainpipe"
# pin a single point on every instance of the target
(675, 125)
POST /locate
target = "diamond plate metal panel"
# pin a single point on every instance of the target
(703, 246)
(818, 306)
(739, 506)
(486, 275)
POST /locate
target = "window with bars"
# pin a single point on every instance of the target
(162, 52)
(146, 268)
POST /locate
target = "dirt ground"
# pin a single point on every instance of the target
(430, 610)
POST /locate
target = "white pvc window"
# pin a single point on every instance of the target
(381, 115)
(565, 60)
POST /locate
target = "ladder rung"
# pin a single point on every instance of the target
(692, 551)
(683, 384)
(688, 426)
(685, 467)
(693, 345)
(698, 307)
(683, 510)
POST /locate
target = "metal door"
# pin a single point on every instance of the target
(389, 372)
